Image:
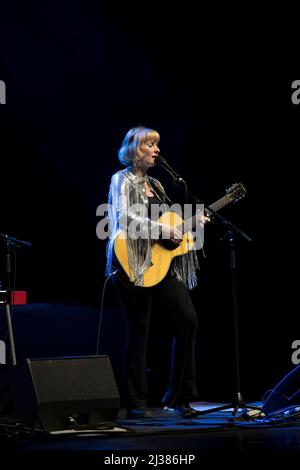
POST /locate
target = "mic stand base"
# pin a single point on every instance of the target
(237, 405)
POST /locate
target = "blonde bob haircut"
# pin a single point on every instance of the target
(130, 151)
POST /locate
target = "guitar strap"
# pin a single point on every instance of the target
(161, 194)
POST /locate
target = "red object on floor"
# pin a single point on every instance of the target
(18, 297)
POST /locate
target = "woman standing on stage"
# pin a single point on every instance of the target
(128, 188)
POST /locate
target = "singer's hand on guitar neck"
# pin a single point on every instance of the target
(202, 219)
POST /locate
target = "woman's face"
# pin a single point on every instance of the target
(149, 150)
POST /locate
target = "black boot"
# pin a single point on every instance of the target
(184, 410)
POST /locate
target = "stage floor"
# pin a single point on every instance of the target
(211, 437)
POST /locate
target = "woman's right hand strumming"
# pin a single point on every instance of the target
(171, 233)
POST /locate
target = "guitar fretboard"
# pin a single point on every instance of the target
(219, 204)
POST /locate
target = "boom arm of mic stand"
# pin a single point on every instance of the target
(15, 241)
(177, 179)
(229, 225)
(209, 211)
(175, 176)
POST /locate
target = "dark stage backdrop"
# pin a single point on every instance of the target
(78, 75)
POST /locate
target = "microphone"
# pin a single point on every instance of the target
(15, 241)
(160, 159)
(164, 164)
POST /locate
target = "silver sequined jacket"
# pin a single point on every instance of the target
(127, 192)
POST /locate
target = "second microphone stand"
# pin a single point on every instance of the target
(9, 243)
(231, 235)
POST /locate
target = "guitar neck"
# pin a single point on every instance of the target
(216, 206)
(219, 204)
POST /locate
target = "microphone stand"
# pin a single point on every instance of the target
(164, 164)
(231, 235)
(9, 242)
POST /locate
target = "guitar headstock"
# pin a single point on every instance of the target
(236, 192)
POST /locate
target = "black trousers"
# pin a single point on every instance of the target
(174, 301)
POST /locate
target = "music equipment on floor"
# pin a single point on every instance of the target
(58, 394)
(286, 394)
(13, 297)
(163, 251)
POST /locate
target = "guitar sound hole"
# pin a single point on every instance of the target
(168, 244)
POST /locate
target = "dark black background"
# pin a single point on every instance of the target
(78, 76)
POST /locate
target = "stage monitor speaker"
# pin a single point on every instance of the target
(285, 394)
(60, 393)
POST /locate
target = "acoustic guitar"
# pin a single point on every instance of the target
(163, 251)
